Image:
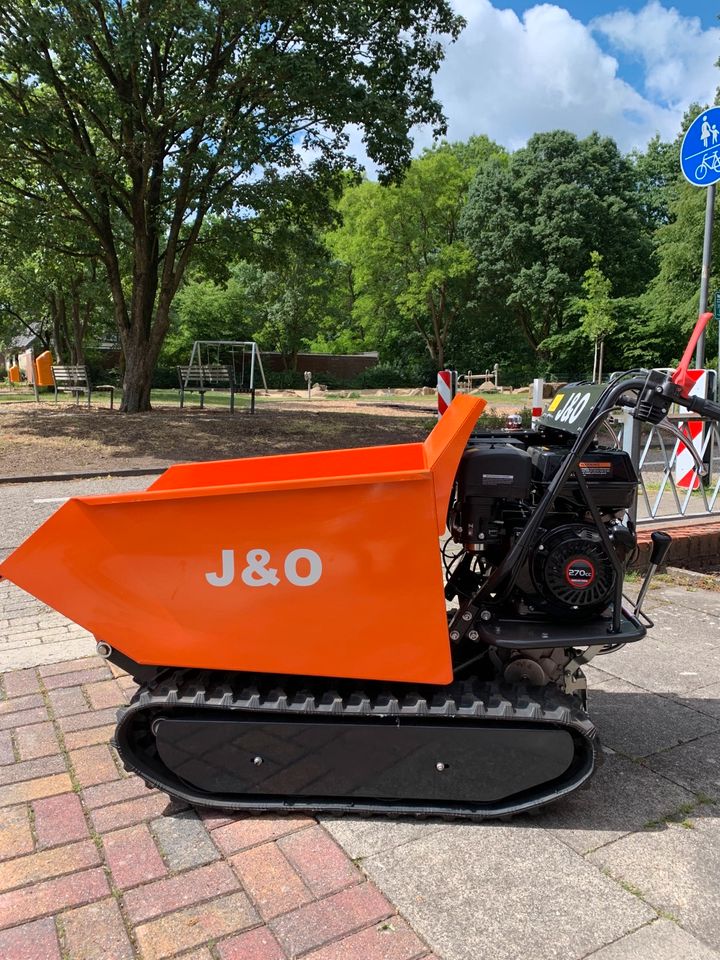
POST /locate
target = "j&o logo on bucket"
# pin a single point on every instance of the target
(301, 568)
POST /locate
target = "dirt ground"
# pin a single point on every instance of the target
(64, 438)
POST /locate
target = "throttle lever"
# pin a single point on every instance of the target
(661, 543)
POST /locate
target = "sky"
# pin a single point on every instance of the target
(626, 68)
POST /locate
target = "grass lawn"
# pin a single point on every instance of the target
(171, 397)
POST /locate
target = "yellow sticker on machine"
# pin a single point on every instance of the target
(555, 403)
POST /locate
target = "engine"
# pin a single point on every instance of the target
(569, 572)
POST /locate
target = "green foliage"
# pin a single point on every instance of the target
(408, 272)
(143, 119)
(532, 221)
(596, 306)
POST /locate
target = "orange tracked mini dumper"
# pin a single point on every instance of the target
(298, 645)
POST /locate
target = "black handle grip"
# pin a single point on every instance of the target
(706, 408)
(661, 543)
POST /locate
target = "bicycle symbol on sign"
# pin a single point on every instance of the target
(709, 164)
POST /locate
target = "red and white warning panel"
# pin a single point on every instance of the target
(446, 389)
(685, 470)
(537, 399)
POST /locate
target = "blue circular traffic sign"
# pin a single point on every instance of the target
(700, 151)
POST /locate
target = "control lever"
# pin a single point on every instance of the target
(661, 543)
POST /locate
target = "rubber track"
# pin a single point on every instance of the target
(465, 699)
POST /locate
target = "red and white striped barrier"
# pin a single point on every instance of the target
(685, 470)
(537, 399)
(446, 387)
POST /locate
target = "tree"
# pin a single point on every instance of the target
(151, 115)
(597, 310)
(409, 267)
(532, 221)
(49, 283)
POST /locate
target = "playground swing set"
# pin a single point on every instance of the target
(222, 365)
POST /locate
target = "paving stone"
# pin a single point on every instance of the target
(362, 838)
(195, 925)
(664, 667)
(87, 738)
(391, 940)
(661, 940)
(705, 700)
(318, 923)
(623, 796)
(33, 789)
(21, 703)
(106, 693)
(31, 941)
(270, 879)
(87, 720)
(91, 675)
(188, 888)
(59, 650)
(34, 901)
(132, 856)
(251, 831)
(692, 599)
(31, 769)
(676, 869)
(695, 765)
(10, 721)
(637, 723)
(59, 820)
(473, 892)
(69, 666)
(36, 740)
(127, 788)
(48, 864)
(66, 702)
(96, 932)
(257, 944)
(132, 811)
(321, 863)
(94, 765)
(7, 754)
(15, 833)
(184, 841)
(20, 682)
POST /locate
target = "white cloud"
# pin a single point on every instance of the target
(678, 56)
(509, 76)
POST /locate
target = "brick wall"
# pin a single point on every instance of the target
(344, 366)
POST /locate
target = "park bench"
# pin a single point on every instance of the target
(75, 380)
(216, 376)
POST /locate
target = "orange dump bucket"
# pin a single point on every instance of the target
(316, 563)
(14, 373)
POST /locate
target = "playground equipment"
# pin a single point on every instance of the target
(472, 382)
(243, 356)
(286, 616)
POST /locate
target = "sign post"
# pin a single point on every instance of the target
(700, 164)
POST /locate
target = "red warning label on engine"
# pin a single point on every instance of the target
(596, 468)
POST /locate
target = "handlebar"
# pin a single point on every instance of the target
(706, 408)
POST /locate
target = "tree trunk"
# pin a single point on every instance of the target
(140, 360)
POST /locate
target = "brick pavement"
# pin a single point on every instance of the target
(94, 866)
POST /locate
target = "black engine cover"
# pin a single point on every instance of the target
(572, 571)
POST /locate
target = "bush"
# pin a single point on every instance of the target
(381, 377)
(165, 378)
